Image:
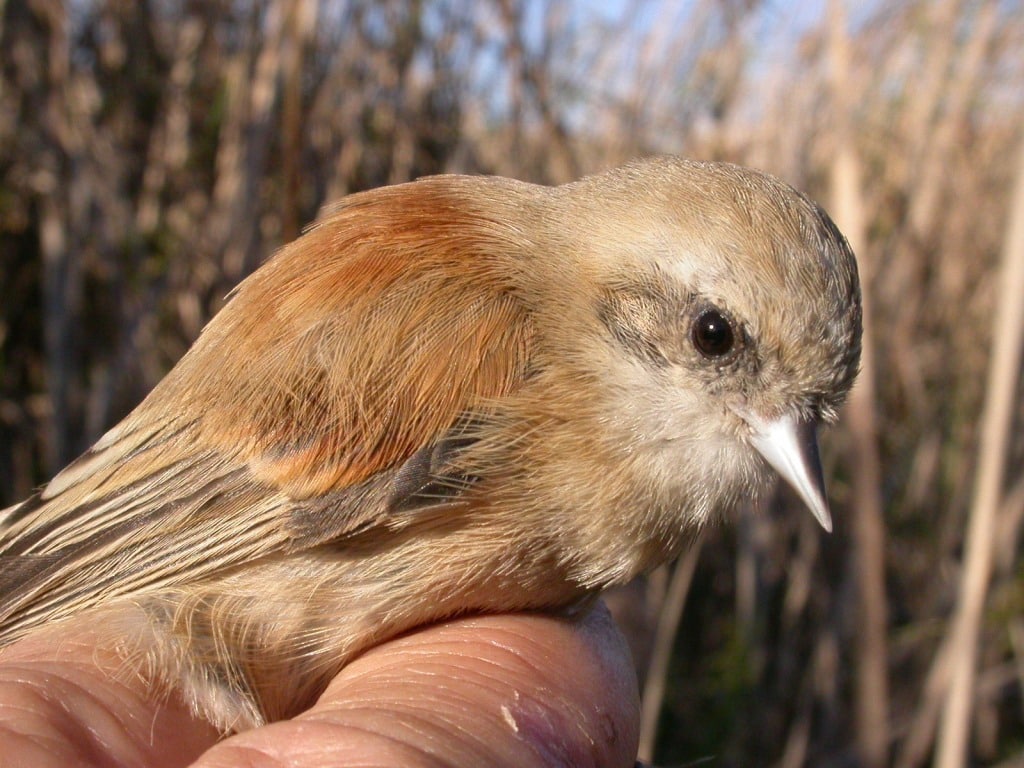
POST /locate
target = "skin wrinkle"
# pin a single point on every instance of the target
(543, 715)
(374, 748)
(552, 735)
(62, 706)
(40, 742)
(472, 741)
(514, 656)
(372, 696)
(420, 725)
(485, 673)
(445, 696)
(245, 756)
(60, 702)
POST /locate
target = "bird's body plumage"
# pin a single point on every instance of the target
(459, 394)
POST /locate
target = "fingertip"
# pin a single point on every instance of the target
(515, 690)
(66, 700)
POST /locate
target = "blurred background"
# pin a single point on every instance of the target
(153, 153)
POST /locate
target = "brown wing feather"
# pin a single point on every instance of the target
(352, 349)
(363, 340)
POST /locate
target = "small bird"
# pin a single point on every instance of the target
(461, 394)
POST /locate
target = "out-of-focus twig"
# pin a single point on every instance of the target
(996, 427)
(872, 700)
(661, 654)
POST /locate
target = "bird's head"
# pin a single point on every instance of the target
(729, 321)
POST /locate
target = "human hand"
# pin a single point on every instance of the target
(508, 690)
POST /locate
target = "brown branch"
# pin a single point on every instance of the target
(661, 654)
(872, 692)
(997, 423)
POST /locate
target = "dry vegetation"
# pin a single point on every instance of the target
(153, 153)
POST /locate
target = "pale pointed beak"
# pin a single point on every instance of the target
(790, 446)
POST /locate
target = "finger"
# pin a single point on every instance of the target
(62, 702)
(519, 691)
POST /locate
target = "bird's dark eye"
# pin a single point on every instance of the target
(712, 334)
